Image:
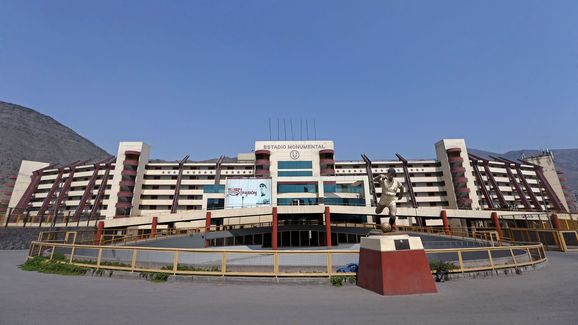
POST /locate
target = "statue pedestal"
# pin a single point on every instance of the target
(394, 264)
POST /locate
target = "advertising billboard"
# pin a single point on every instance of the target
(247, 192)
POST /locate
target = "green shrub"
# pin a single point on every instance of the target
(43, 265)
(155, 277)
(159, 277)
(58, 257)
(102, 263)
(441, 266)
(338, 281)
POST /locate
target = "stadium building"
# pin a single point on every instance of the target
(286, 181)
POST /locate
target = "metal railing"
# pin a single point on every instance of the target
(267, 263)
(479, 234)
(491, 258)
(181, 261)
(552, 239)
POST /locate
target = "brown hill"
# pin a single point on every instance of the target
(27, 134)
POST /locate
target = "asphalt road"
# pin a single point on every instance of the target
(546, 296)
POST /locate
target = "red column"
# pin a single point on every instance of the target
(555, 221)
(274, 230)
(328, 227)
(446, 222)
(207, 227)
(99, 231)
(154, 227)
(497, 225)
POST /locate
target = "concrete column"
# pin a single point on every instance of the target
(555, 221)
(496, 222)
(99, 232)
(207, 227)
(328, 227)
(154, 227)
(274, 230)
(445, 222)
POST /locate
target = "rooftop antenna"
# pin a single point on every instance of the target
(301, 129)
(307, 127)
(278, 137)
(315, 129)
(270, 130)
(285, 129)
(292, 136)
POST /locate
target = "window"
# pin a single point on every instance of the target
(297, 201)
(217, 188)
(342, 188)
(294, 165)
(329, 187)
(215, 204)
(344, 201)
(296, 188)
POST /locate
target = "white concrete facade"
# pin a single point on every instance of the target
(303, 173)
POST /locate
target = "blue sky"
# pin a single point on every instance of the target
(378, 77)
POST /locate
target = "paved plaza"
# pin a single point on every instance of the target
(545, 296)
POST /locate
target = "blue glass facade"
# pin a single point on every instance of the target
(296, 188)
(342, 188)
(294, 164)
(298, 201)
(294, 173)
(344, 201)
(214, 188)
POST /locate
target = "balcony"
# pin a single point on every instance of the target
(123, 205)
(463, 202)
(125, 194)
(132, 153)
(127, 183)
(262, 172)
(130, 162)
(455, 170)
(460, 180)
(128, 172)
(327, 161)
(263, 162)
(455, 159)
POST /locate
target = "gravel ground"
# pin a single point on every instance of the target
(548, 295)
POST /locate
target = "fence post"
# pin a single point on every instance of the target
(513, 258)
(461, 261)
(133, 260)
(175, 262)
(224, 263)
(328, 227)
(274, 230)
